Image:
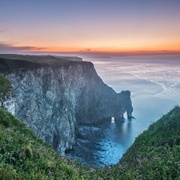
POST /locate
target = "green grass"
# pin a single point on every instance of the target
(155, 154)
(25, 156)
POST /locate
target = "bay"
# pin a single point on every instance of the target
(154, 82)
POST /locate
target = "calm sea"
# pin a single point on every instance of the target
(154, 82)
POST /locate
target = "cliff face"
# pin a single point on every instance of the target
(54, 96)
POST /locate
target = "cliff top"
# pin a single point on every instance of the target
(45, 59)
(15, 61)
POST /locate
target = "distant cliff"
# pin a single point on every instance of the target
(54, 95)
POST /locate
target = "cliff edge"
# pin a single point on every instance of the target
(55, 95)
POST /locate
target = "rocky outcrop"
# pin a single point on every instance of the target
(54, 96)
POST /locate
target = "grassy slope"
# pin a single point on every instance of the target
(25, 156)
(155, 154)
(21, 61)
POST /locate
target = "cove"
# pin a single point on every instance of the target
(154, 82)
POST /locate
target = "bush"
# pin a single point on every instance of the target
(5, 90)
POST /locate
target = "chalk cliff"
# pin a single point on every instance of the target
(54, 96)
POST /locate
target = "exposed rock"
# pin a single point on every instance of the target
(54, 96)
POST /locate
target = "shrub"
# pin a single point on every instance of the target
(5, 90)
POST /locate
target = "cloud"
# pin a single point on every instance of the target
(86, 50)
(3, 29)
(10, 48)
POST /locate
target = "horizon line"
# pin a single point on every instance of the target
(157, 52)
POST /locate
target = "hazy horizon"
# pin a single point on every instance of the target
(109, 26)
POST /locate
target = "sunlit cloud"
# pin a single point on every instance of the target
(86, 50)
(10, 47)
(14, 47)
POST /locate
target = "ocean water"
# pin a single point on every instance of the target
(154, 82)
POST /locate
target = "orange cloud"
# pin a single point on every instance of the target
(11, 48)
(5, 47)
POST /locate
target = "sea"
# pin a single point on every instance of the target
(154, 83)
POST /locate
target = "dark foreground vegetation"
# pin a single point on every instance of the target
(155, 154)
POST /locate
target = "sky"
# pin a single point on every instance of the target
(109, 26)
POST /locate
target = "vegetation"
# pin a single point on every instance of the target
(24, 156)
(155, 154)
(5, 90)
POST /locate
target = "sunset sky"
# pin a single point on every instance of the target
(89, 26)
